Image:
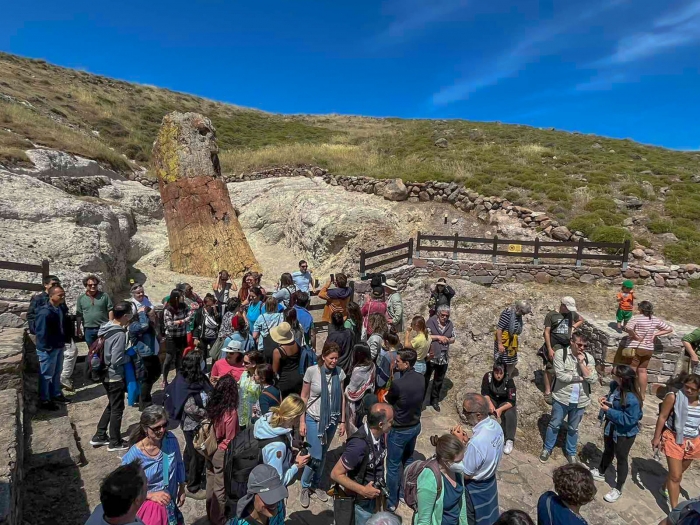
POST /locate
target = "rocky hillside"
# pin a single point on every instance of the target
(605, 188)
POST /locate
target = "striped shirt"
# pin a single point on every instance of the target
(645, 328)
(504, 325)
(692, 423)
(153, 466)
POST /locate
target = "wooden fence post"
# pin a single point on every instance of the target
(45, 268)
(418, 245)
(494, 256)
(454, 250)
(579, 252)
(625, 254)
(362, 264)
(410, 250)
(535, 256)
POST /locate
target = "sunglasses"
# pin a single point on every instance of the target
(90, 285)
(159, 428)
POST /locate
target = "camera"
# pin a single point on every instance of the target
(381, 485)
(313, 463)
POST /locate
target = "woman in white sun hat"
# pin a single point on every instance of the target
(394, 305)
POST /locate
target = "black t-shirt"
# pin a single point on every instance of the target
(358, 446)
(406, 396)
(499, 393)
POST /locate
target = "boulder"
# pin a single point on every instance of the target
(441, 142)
(396, 190)
(561, 233)
(54, 163)
(668, 237)
(638, 253)
(423, 196)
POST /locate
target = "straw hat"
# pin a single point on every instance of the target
(282, 334)
(391, 285)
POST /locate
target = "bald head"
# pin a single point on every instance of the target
(475, 408)
(380, 416)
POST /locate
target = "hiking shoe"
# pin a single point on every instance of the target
(548, 398)
(117, 448)
(508, 448)
(60, 399)
(597, 475)
(48, 405)
(572, 460)
(545, 455)
(305, 498)
(612, 496)
(436, 407)
(99, 442)
(319, 495)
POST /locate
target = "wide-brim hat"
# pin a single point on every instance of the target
(391, 284)
(233, 346)
(282, 334)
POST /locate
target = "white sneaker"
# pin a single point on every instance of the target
(508, 448)
(597, 475)
(612, 496)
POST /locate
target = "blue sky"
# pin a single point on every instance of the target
(622, 68)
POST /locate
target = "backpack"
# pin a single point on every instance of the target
(410, 480)
(95, 362)
(243, 454)
(205, 440)
(307, 358)
(690, 515)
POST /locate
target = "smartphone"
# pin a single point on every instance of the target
(332, 278)
(316, 283)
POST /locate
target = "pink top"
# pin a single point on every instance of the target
(645, 328)
(221, 368)
(226, 428)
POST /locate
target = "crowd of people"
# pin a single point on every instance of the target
(259, 402)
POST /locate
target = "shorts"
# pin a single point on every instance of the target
(689, 450)
(624, 315)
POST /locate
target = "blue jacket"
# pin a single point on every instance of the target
(142, 336)
(50, 328)
(624, 420)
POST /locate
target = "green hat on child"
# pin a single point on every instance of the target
(628, 284)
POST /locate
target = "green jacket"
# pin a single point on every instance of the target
(568, 372)
(693, 338)
(429, 505)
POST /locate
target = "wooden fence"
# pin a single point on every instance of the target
(42, 268)
(514, 248)
(406, 254)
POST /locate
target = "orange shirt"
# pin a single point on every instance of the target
(626, 300)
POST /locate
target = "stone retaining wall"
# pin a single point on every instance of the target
(13, 314)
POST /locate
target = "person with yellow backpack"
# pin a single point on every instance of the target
(510, 326)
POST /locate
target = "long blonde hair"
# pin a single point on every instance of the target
(291, 408)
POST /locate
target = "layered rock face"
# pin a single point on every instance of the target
(204, 233)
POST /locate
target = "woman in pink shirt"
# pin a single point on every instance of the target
(222, 411)
(643, 330)
(230, 364)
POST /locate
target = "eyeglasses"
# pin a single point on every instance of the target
(303, 267)
(159, 428)
(580, 345)
(92, 285)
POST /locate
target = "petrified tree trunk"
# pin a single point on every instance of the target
(204, 233)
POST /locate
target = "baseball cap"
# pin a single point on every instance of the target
(569, 302)
(264, 481)
(233, 346)
(628, 284)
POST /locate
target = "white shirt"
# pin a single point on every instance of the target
(97, 518)
(313, 378)
(484, 450)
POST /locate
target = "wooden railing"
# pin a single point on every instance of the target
(42, 268)
(406, 254)
(514, 248)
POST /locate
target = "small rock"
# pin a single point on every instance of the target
(441, 142)
(423, 196)
(668, 237)
(596, 146)
(659, 281)
(638, 253)
(454, 221)
(587, 279)
(561, 233)
(395, 190)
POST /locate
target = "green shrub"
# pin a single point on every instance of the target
(644, 241)
(694, 284)
(659, 226)
(610, 234)
(601, 203)
(586, 223)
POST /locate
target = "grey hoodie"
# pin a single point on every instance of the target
(114, 350)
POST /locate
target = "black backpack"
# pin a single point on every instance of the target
(243, 454)
(690, 515)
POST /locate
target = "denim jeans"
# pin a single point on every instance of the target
(420, 367)
(364, 509)
(90, 335)
(310, 479)
(50, 367)
(573, 415)
(400, 447)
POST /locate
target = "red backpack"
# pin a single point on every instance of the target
(410, 480)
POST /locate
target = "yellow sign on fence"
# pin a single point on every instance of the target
(515, 248)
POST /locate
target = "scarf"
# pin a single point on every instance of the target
(680, 411)
(329, 413)
(361, 381)
(511, 323)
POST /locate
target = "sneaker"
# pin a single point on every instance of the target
(436, 407)
(319, 495)
(664, 492)
(67, 384)
(117, 448)
(545, 455)
(597, 475)
(548, 398)
(612, 496)
(99, 442)
(305, 498)
(508, 448)
(572, 460)
(60, 399)
(48, 405)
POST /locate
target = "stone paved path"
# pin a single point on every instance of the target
(522, 478)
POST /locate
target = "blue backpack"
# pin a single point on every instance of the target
(306, 359)
(690, 515)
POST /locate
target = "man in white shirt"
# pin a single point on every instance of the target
(121, 495)
(481, 459)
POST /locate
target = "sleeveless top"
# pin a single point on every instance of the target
(290, 380)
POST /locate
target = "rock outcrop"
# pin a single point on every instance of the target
(204, 233)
